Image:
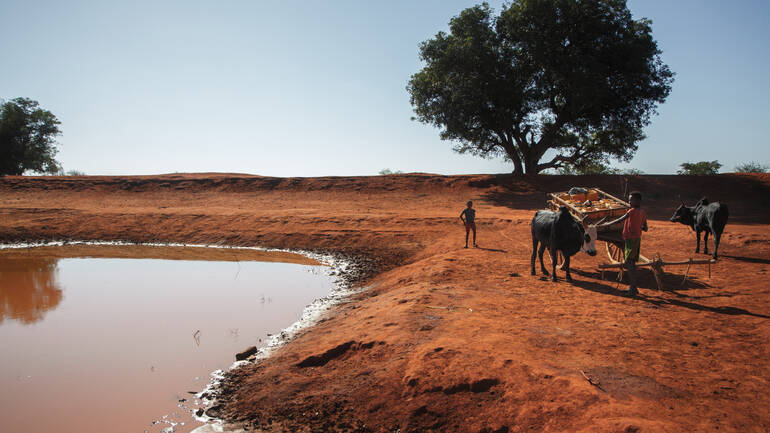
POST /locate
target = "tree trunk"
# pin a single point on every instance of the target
(530, 165)
(517, 168)
(513, 154)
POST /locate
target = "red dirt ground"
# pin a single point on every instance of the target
(447, 339)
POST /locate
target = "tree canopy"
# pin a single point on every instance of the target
(700, 168)
(27, 138)
(579, 77)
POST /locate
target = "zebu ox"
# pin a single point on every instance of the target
(704, 217)
(560, 231)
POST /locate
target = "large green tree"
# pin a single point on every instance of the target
(27, 138)
(580, 78)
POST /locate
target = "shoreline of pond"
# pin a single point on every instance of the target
(341, 289)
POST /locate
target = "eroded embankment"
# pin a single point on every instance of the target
(450, 339)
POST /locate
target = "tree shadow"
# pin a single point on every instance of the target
(659, 301)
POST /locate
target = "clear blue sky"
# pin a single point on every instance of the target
(311, 88)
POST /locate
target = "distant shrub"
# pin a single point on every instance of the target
(386, 171)
(61, 172)
(588, 168)
(699, 168)
(751, 167)
(632, 172)
(593, 168)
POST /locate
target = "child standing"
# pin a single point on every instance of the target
(634, 222)
(468, 217)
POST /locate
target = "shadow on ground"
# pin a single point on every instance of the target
(651, 295)
(747, 259)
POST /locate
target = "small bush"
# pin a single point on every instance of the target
(588, 168)
(632, 172)
(387, 171)
(699, 168)
(751, 167)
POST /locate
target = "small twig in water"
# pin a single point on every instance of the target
(235, 256)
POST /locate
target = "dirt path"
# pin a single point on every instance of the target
(450, 339)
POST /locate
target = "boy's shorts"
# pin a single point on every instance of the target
(632, 247)
(469, 227)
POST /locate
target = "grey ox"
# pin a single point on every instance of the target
(559, 231)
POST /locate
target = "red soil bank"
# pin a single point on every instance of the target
(447, 339)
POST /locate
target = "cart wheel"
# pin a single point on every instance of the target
(615, 252)
(559, 261)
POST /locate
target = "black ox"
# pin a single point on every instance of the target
(704, 217)
(559, 231)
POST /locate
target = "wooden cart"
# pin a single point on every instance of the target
(603, 208)
(596, 207)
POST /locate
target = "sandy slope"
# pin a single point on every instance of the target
(448, 339)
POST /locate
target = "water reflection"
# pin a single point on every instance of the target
(28, 288)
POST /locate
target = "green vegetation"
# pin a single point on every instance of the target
(700, 168)
(580, 77)
(632, 172)
(588, 168)
(387, 171)
(27, 135)
(596, 168)
(751, 167)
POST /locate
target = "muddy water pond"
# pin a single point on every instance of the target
(118, 343)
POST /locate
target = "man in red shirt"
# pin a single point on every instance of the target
(634, 222)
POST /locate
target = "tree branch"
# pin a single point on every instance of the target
(560, 161)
